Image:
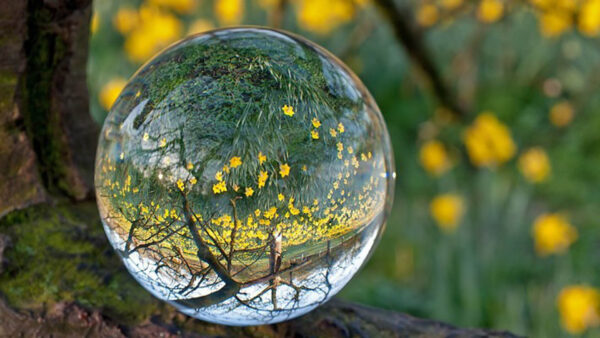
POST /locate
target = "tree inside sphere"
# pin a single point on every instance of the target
(244, 175)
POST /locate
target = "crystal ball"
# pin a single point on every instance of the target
(244, 175)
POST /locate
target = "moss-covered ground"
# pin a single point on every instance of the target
(60, 253)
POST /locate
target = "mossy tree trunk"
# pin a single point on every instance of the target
(47, 147)
(49, 138)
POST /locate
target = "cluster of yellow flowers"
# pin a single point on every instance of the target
(579, 308)
(554, 16)
(488, 141)
(147, 30)
(557, 16)
(430, 12)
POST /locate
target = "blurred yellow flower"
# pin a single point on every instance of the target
(111, 90)
(154, 30)
(579, 308)
(125, 19)
(451, 4)
(322, 17)
(179, 6)
(554, 22)
(200, 26)
(427, 15)
(229, 12)
(249, 192)
(447, 211)
(552, 234)
(434, 158)
(561, 114)
(490, 10)
(488, 141)
(94, 23)
(534, 165)
(589, 17)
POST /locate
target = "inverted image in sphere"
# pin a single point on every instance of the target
(244, 175)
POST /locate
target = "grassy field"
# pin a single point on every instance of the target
(496, 219)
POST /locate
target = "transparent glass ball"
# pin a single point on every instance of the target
(244, 175)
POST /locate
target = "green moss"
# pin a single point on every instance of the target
(60, 254)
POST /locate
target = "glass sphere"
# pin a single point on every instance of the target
(244, 175)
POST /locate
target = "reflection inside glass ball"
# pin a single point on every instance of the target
(244, 175)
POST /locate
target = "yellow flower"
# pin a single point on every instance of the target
(125, 19)
(261, 158)
(193, 181)
(447, 211)
(180, 6)
(332, 132)
(314, 134)
(262, 178)
(189, 166)
(249, 192)
(552, 234)
(219, 176)
(219, 187)
(180, 184)
(490, 10)
(284, 170)
(200, 26)
(554, 22)
(316, 123)
(561, 114)
(162, 143)
(235, 162)
(154, 30)
(579, 308)
(288, 110)
(145, 137)
(229, 12)
(589, 18)
(488, 141)
(323, 16)
(110, 92)
(226, 169)
(427, 15)
(280, 197)
(534, 165)
(434, 158)
(95, 22)
(341, 127)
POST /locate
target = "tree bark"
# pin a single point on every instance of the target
(47, 153)
(44, 115)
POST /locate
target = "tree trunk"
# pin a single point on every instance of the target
(57, 273)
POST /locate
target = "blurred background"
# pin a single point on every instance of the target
(493, 111)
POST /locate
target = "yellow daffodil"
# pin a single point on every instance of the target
(552, 234)
(579, 308)
(447, 211)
